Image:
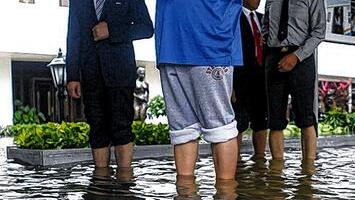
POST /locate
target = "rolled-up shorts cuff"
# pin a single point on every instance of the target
(221, 134)
(185, 135)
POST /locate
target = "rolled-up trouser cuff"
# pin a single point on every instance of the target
(185, 135)
(221, 134)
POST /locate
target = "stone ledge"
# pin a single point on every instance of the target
(67, 156)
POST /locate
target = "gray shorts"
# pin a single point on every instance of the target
(198, 101)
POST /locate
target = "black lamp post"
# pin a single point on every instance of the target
(58, 71)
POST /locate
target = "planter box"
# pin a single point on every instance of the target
(66, 156)
(48, 157)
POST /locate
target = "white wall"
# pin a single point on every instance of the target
(38, 28)
(6, 108)
(41, 28)
(336, 59)
(153, 79)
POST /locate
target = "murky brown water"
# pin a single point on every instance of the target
(155, 179)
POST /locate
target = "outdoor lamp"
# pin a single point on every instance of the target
(58, 71)
(57, 67)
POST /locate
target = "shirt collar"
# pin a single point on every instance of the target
(247, 11)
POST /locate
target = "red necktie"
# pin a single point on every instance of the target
(257, 40)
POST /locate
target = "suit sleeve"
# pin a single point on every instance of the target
(139, 26)
(73, 45)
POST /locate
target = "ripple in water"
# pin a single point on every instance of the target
(334, 178)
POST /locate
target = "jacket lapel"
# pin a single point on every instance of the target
(91, 9)
(247, 27)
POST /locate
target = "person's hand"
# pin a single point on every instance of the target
(264, 39)
(100, 31)
(74, 89)
(288, 62)
(234, 98)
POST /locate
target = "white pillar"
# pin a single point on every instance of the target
(350, 96)
(153, 79)
(316, 86)
(6, 99)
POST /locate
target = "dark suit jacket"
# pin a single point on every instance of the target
(127, 20)
(246, 75)
(249, 56)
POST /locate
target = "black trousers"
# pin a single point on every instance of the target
(299, 83)
(109, 112)
(250, 107)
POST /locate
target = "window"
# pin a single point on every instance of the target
(63, 3)
(27, 1)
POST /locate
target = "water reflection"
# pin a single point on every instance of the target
(108, 184)
(186, 188)
(226, 190)
(334, 178)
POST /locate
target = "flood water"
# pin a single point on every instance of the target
(334, 178)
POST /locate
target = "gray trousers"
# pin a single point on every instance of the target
(198, 101)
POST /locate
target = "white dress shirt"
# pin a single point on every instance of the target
(256, 19)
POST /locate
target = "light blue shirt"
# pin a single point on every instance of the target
(199, 32)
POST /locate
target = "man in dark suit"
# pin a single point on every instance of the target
(249, 83)
(101, 63)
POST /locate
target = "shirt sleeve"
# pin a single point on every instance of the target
(73, 45)
(317, 29)
(265, 20)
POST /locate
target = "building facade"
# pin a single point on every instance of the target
(32, 33)
(33, 30)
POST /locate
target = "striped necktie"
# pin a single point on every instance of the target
(99, 7)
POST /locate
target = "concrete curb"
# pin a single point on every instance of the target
(67, 156)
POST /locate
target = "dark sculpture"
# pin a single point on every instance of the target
(141, 96)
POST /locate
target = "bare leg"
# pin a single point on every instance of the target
(136, 109)
(124, 174)
(124, 154)
(309, 148)
(259, 143)
(225, 159)
(276, 166)
(185, 158)
(309, 143)
(102, 173)
(186, 187)
(276, 142)
(144, 110)
(101, 157)
(302, 144)
(226, 189)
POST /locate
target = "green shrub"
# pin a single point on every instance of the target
(6, 131)
(75, 135)
(292, 131)
(337, 122)
(150, 134)
(27, 115)
(336, 118)
(51, 135)
(156, 107)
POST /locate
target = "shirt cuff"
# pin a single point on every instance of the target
(300, 54)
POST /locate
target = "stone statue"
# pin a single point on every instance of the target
(141, 96)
